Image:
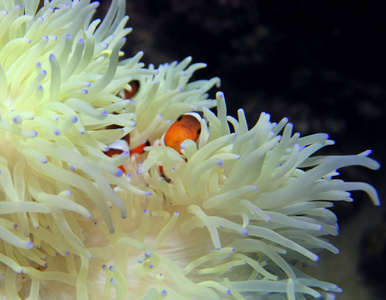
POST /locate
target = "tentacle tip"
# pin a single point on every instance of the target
(29, 245)
(17, 119)
(219, 95)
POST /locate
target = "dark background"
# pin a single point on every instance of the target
(319, 63)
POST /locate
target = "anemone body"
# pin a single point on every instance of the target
(235, 216)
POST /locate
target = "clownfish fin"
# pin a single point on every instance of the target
(140, 149)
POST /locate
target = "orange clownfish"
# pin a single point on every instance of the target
(112, 152)
(187, 126)
(134, 88)
(123, 144)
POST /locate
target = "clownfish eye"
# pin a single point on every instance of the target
(199, 131)
(180, 118)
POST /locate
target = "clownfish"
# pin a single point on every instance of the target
(134, 84)
(140, 149)
(187, 126)
(123, 144)
(112, 152)
(119, 146)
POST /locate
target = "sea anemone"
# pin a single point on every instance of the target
(235, 215)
